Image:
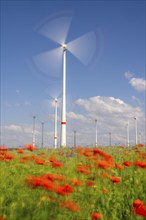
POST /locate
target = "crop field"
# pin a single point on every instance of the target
(77, 183)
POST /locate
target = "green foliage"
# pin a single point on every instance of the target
(114, 200)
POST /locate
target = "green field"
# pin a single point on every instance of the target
(79, 183)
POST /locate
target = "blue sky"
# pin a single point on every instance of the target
(111, 91)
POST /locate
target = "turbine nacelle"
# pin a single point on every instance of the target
(64, 46)
(56, 100)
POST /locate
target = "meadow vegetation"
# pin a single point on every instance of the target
(77, 183)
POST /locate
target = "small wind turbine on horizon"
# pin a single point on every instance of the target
(127, 126)
(56, 28)
(55, 124)
(96, 132)
(33, 131)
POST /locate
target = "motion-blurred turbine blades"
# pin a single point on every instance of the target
(84, 47)
(56, 28)
(54, 89)
(46, 62)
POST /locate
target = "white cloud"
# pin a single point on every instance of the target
(13, 127)
(72, 115)
(138, 83)
(104, 105)
(137, 100)
(128, 75)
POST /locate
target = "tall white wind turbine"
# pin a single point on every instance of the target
(83, 48)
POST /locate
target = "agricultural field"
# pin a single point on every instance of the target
(77, 183)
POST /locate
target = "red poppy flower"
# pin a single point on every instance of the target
(39, 181)
(76, 182)
(70, 205)
(127, 163)
(140, 145)
(54, 177)
(57, 164)
(141, 164)
(87, 153)
(20, 151)
(96, 215)
(52, 159)
(30, 147)
(104, 164)
(64, 190)
(82, 169)
(137, 203)
(141, 211)
(90, 183)
(115, 179)
(40, 161)
(119, 166)
(105, 191)
(9, 156)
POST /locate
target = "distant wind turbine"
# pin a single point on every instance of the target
(135, 130)
(83, 48)
(127, 126)
(33, 131)
(55, 125)
(96, 132)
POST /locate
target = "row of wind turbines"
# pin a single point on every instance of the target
(56, 145)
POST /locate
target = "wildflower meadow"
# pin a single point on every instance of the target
(76, 183)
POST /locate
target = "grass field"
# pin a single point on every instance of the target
(79, 183)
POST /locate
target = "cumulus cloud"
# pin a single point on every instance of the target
(74, 116)
(112, 115)
(105, 106)
(137, 83)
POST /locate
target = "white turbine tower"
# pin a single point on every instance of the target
(63, 116)
(135, 130)
(33, 131)
(84, 48)
(96, 132)
(55, 125)
(127, 126)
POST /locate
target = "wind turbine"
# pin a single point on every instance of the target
(127, 126)
(135, 130)
(83, 48)
(33, 131)
(96, 132)
(55, 124)
(42, 144)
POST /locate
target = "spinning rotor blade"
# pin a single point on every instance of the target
(84, 47)
(54, 89)
(56, 27)
(46, 62)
